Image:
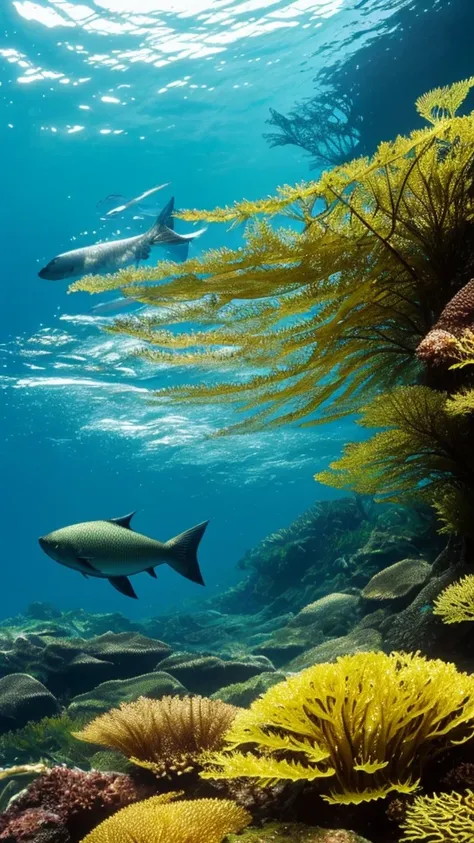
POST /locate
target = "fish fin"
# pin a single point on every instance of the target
(123, 585)
(179, 251)
(152, 573)
(85, 575)
(165, 217)
(124, 520)
(183, 557)
(86, 563)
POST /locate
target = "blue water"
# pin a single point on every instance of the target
(114, 97)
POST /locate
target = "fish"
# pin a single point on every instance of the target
(112, 550)
(115, 254)
(136, 201)
(114, 306)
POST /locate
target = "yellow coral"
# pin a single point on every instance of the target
(159, 820)
(456, 603)
(369, 722)
(165, 735)
(447, 818)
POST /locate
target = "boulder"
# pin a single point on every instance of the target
(23, 699)
(401, 580)
(357, 641)
(207, 674)
(110, 694)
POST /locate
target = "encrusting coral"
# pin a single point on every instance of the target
(166, 735)
(368, 723)
(456, 603)
(447, 818)
(77, 799)
(160, 820)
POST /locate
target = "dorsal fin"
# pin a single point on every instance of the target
(124, 521)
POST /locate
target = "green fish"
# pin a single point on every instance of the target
(113, 551)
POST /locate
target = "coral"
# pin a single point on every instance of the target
(36, 825)
(399, 580)
(441, 343)
(368, 723)
(243, 693)
(158, 819)
(78, 799)
(206, 674)
(296, 833)
(456, 603)
(23, 698)
(357, 641)
(109, 695)
(167, 735)
(440, 819)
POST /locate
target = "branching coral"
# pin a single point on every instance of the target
(456, 603)
(445, 342)
(368, 723)
(166, 735)
(158, 820)
(447, 818)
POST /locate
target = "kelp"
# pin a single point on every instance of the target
(320, 320)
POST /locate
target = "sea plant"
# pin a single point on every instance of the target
(50, 739)
(166, 736)
(323, 316)
(367, 723)
(443, 818)
(160, 819)
(456, 602)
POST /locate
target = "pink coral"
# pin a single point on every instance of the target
(78, 801)
(439, 345)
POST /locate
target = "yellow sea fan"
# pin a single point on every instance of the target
(442, 103)
(159, 820)
(369, 722)
(456, 603)
(447, 818)
(165, 735)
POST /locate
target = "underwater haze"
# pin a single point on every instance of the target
(106, 99)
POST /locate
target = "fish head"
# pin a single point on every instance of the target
(60, 267)
(59, 546)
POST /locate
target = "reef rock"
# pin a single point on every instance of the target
(295, 833)
(243, 693)
(110, 694)
(401, 580)
(334, 614)
(23, 698)
(362, 640)
(207, 674)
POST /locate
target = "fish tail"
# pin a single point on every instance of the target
(183, 555)
(162, 231)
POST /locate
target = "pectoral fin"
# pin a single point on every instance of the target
(87, 564)
(123, 585)
(151, 571)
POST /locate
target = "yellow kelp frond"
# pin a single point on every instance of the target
(424, 454)
(316, 318)
(158, 820)
(447, 818)
(464, 348)
(456, 603)
(369, 722)
(165, 735)
(442, 103)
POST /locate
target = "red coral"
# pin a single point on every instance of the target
(35, 825)
(78, 801)
(439, 345)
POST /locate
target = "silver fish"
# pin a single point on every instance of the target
(112, 550)
(114, 255)
(136, 201)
